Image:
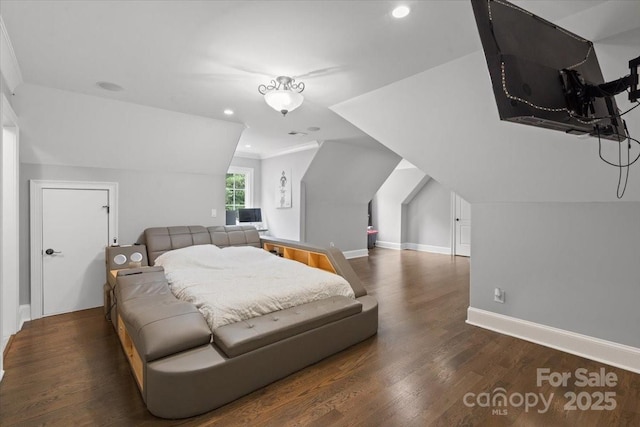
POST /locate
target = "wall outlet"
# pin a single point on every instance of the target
(498, 295)
(214, 213)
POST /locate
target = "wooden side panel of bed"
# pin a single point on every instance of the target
(132, 354)
(312, 259)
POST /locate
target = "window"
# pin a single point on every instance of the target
(238, 188)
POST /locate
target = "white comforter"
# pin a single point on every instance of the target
(237, 283)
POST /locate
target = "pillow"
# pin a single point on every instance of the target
(188, 257)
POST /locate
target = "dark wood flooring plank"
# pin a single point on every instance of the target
(69, 369)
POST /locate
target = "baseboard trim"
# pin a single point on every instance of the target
(6, 345)
(608, 352)
(427, 248)
(358, 253)
(389, 245)
(414, 247)
(24, 315)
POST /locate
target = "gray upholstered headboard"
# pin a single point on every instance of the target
(162, 239)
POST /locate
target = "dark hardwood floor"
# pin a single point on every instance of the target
(69, 369)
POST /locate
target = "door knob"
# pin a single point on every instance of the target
(457, 219)
(51, 252)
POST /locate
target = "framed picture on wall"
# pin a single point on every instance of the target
(283, 190)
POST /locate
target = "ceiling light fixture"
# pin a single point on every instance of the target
(400, 12)
(228, 112)
(283, 94)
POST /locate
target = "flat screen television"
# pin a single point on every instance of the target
(539, 73)
(249, 215)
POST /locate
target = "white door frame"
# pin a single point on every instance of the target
(454, 215)
(10, 280)
(453, 223)
(36, 190)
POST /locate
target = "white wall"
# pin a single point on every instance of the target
(284, 223)
(339, 183)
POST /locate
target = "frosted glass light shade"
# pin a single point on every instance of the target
(283, 100)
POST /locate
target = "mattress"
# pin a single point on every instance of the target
(238, 283)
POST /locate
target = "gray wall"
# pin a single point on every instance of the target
(546, 222)
(428, 216)
(460, 141)
(412, 210)
(284, 223)
(340, 182)
(170, 166)
(5, 89)
(573, 266)
(145, 199)
(388, 203)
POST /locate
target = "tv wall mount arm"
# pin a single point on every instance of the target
(580, 94)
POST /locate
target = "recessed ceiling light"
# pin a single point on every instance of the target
(228, 112)
(400, 11)
(112, 87)
(247, 146)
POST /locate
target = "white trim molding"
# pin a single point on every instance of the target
(24, 315)
(248, 189)
(389, 245)
(8, 113)
(427, 248)
(296, 148)
(608, 352)
(35, 228)
(358, 253)
(414, 247)
(9, 219)
(8, 61)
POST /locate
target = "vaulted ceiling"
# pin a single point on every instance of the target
(202, 57)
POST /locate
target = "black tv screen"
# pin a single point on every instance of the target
(250, 215)
(526, 56)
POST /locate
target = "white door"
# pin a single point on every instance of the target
(75, 231)
(462, 227)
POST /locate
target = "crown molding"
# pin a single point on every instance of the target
(247, 155)
(296, 148)
(8, 61)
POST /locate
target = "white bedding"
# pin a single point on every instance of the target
(237, 283)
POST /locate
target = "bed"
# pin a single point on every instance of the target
(187, 358)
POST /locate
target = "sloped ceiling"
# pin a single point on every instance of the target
(200, 57)
(445, 121)
(70, 129)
